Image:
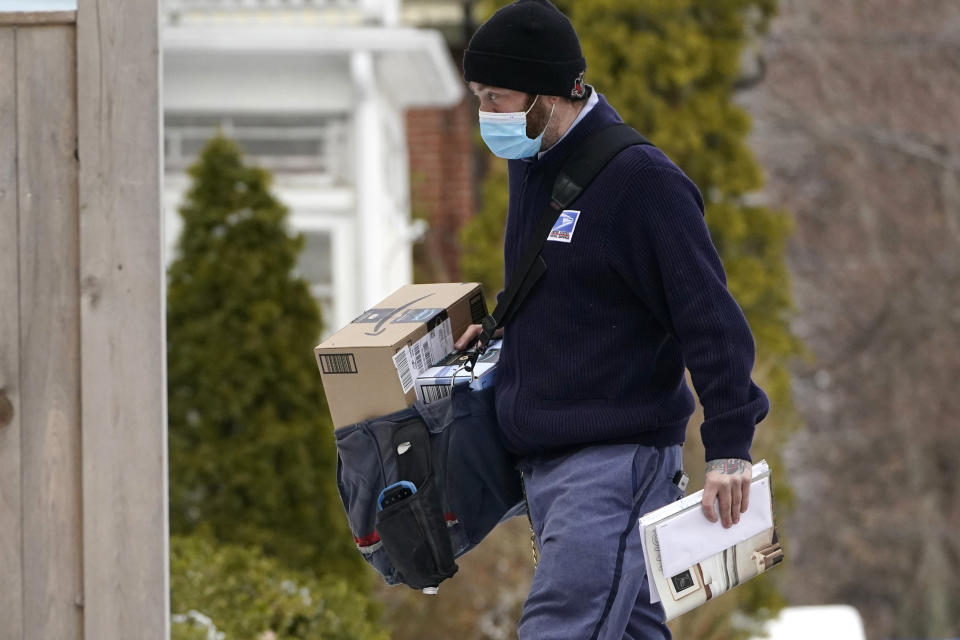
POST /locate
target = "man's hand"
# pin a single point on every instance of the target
(728, 481)
(469, 337)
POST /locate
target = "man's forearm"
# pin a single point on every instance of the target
(728, 465)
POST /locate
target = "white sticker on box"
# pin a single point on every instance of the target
(401, 360)
(441, 342)
(446, 337)
(431, 348)
(417, 358)
(429, 351)
(414, 359)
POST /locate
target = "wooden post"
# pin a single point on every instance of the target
(40, 536)
(83, 491)
(11, 526)
(122, 315)
(49, 331)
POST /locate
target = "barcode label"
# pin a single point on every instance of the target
(331, 363)
(401, 360)
(433, 392)
(418, 358)
(430, 349)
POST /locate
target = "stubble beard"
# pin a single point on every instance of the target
(537, 119)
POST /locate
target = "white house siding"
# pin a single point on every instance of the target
(307, 80)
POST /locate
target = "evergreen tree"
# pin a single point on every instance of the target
(481, 239)
(670, 68)
(252, 457)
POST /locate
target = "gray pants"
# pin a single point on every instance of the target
(585, 506)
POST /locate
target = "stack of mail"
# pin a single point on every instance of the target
(691, 560)
(436, 382)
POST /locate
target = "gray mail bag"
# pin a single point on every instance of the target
(463, 480)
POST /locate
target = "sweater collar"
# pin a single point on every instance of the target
(591, 102)
(602, 115)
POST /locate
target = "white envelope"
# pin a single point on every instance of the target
(689, 538)
(654, 594)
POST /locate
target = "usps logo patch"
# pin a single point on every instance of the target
(563, 228)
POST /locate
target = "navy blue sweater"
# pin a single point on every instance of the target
(596, 353)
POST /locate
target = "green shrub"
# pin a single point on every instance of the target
(230, 592)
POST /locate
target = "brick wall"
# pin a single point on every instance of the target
(443, 183)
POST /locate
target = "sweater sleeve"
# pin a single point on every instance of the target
(663, 250)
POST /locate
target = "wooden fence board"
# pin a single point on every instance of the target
(24, 18)
(49, 336)
(122, 322)
(11, 564)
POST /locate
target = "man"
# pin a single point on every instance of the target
(591, 389)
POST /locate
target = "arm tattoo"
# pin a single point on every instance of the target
(728, 466)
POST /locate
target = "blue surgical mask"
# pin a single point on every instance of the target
(506, 133)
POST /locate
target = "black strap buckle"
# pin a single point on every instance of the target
(488, 326)
(471, 361)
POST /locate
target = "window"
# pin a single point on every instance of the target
(315, 143)
(316, 267)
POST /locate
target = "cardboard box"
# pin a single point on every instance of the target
(370, 367)
(437, 382)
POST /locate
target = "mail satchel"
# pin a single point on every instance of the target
(465, 482)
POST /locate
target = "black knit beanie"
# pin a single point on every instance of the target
(527, 46)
